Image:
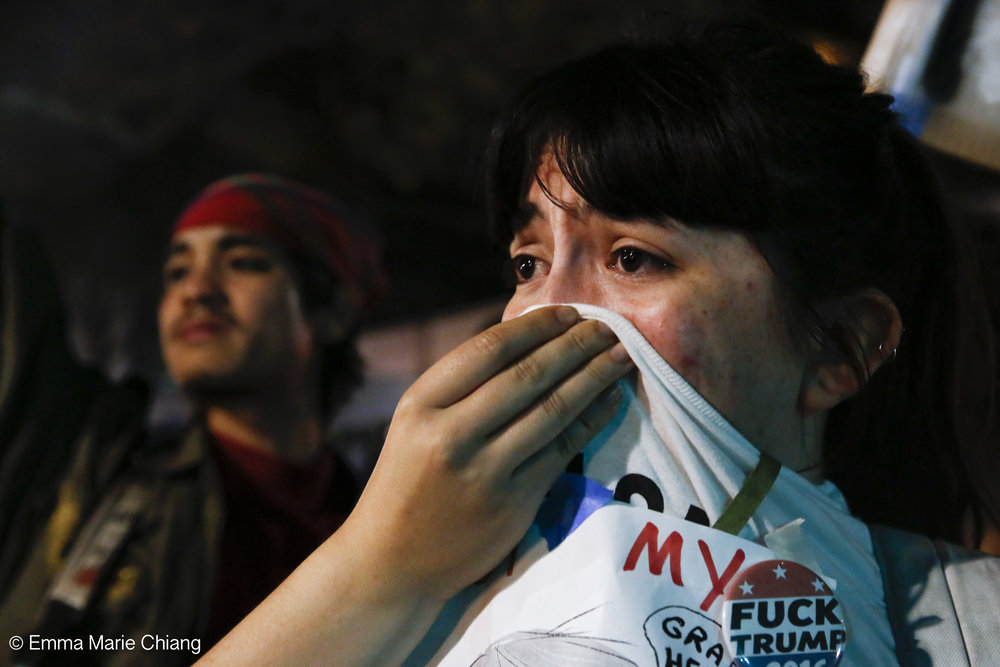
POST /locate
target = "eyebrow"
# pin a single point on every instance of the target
(230, 241)
(227, 242)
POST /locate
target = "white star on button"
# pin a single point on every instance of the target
(818, 585)
(746, 587)
(779, 572)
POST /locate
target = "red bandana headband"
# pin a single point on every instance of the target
(302, 220)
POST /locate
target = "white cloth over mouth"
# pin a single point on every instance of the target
(668, 434)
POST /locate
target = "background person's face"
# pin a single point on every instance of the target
(704, 298)
(230, 318)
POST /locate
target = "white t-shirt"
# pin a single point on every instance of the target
(598, 595)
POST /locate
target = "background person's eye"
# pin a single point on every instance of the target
(173, 274)
(254, 263)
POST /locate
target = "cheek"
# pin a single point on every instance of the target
(259, 304)
(678, 337)
(731, 351)
(702, 334)
(165, 314)
(284, 323)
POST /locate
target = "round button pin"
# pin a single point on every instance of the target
(781, 614)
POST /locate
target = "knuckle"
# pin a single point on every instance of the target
(586, 425)
(553, 405)
(446, 448)
(407, 404)
(491, 500)
(579, 339)
(595, 372)
(528, 371)
(565, 444)
(568, 443)
(448, 459)
(490, 342)
(593, 425)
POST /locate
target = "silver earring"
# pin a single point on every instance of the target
(890, 357)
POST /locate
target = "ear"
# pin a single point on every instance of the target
(870, 319)
(331, 322)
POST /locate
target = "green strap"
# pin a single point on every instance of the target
(750, 496)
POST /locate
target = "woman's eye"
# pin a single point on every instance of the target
(524, 267)
(631, 260)
(520, 269)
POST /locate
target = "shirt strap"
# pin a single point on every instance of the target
(755, 488)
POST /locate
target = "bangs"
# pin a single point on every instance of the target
(640, 132)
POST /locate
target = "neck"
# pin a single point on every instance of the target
(798, 446)
(287, 428)
(807, 458)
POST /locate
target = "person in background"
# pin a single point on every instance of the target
(264, 286)
(110, 531)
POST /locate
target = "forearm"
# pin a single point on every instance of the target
(473, 447)
(340, 607)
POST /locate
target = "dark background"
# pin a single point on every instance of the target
(114, 113)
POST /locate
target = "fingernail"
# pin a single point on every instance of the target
(605, 331)
(615, 394)
(567, 315)
(619, 355)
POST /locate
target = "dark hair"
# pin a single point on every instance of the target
(340, 364)
(739, 127)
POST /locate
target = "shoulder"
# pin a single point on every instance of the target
(941, 598)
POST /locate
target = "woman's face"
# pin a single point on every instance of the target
(704, 298)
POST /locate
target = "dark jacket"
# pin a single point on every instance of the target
(67, 438)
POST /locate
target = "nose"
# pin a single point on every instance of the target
(203, 285)
(569, 282)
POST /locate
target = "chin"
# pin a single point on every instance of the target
(203, 380)
(209, 390)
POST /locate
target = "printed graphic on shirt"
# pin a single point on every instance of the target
(682, 636)
(779, 613)
(574, 497)
(629, 586)
(553, 648)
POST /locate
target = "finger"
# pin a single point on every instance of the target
(476, 360)
(503, 397)
(548, 417)
(542, 467)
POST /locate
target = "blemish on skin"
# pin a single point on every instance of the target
(749, 286)
(687, 365)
